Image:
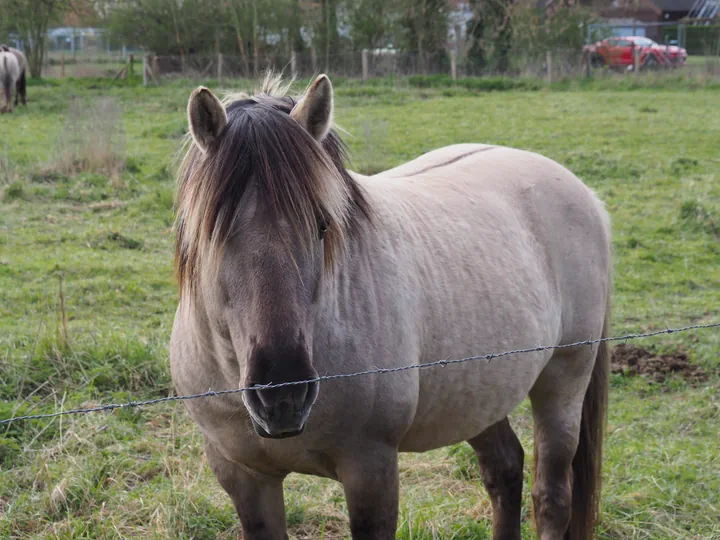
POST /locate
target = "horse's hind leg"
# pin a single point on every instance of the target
(557, 402)
(8, 98)
(22, 88)
(258, 498)
(501, 456)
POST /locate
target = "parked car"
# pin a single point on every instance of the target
(617, 52)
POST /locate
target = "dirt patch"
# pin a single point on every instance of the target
(631, 361)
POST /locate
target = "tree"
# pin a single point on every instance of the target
(425, 28)
(31, 20)
(490, 32)
(248, 28)
(327, 31)
(175, 27)
(371, 23)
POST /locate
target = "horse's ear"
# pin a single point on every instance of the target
(314, 111)
(206, 116)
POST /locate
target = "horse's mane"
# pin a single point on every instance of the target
(299, 179)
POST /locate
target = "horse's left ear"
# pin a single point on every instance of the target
(314, 111)
(206, 117)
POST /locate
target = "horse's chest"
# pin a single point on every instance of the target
(236, 439)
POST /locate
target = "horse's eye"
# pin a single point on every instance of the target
(322, 228)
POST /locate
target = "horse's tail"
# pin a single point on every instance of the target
(587, 463)
(22, 84)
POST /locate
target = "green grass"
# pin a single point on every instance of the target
(106, 237)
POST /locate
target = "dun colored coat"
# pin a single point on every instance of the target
(9, 75)
(21, 82)
(292, 267)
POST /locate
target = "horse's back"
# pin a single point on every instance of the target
(433, 160)
(495, 186)
(9, 66)
(20, 57)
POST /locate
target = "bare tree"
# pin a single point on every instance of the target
(31, 19)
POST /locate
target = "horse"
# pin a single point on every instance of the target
(291, 267)
(9, 75)
(21, 86)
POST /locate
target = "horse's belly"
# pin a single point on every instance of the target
(460, 401)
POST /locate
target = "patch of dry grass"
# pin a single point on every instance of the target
(92, 140)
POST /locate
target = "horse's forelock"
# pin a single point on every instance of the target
(298, 178)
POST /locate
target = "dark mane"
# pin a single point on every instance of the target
(300, 180)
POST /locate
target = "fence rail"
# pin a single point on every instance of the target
(550, 65)
(379, 371)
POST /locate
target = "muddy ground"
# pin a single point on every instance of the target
(631, 361)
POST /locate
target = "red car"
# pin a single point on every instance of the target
(617, 52)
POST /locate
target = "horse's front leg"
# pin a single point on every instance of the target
(258, 498)
(501, 456)
(370, 479)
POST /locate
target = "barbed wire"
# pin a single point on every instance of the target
(377, 371)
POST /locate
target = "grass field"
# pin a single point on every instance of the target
(87, 299)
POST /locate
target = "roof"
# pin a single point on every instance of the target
(661, 5)
(674, 5)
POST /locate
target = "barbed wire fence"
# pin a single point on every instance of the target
(378, 371)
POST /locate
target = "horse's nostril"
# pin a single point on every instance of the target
(298, 397)
(311, 395)
(281, 412)
(266, 397)
(294, 399)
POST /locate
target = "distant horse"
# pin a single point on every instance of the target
(290, 267)
(9, 75)
(21, 88)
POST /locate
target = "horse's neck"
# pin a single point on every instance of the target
(365, 273)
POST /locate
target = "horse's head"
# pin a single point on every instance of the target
(264, 204)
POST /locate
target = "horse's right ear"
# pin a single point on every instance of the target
(206, 117)
(314, 111)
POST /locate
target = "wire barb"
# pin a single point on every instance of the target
(442, 363)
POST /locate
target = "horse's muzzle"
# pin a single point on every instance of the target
(277, 413)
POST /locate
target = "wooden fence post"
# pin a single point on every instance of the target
(62, 64)
(220, 69)
(293, 64)
(588, 66)
(313, 59)
(453, 65)
(364, 64)
(131, 66)
(548, 61)
(145, 70)
(636, 59)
